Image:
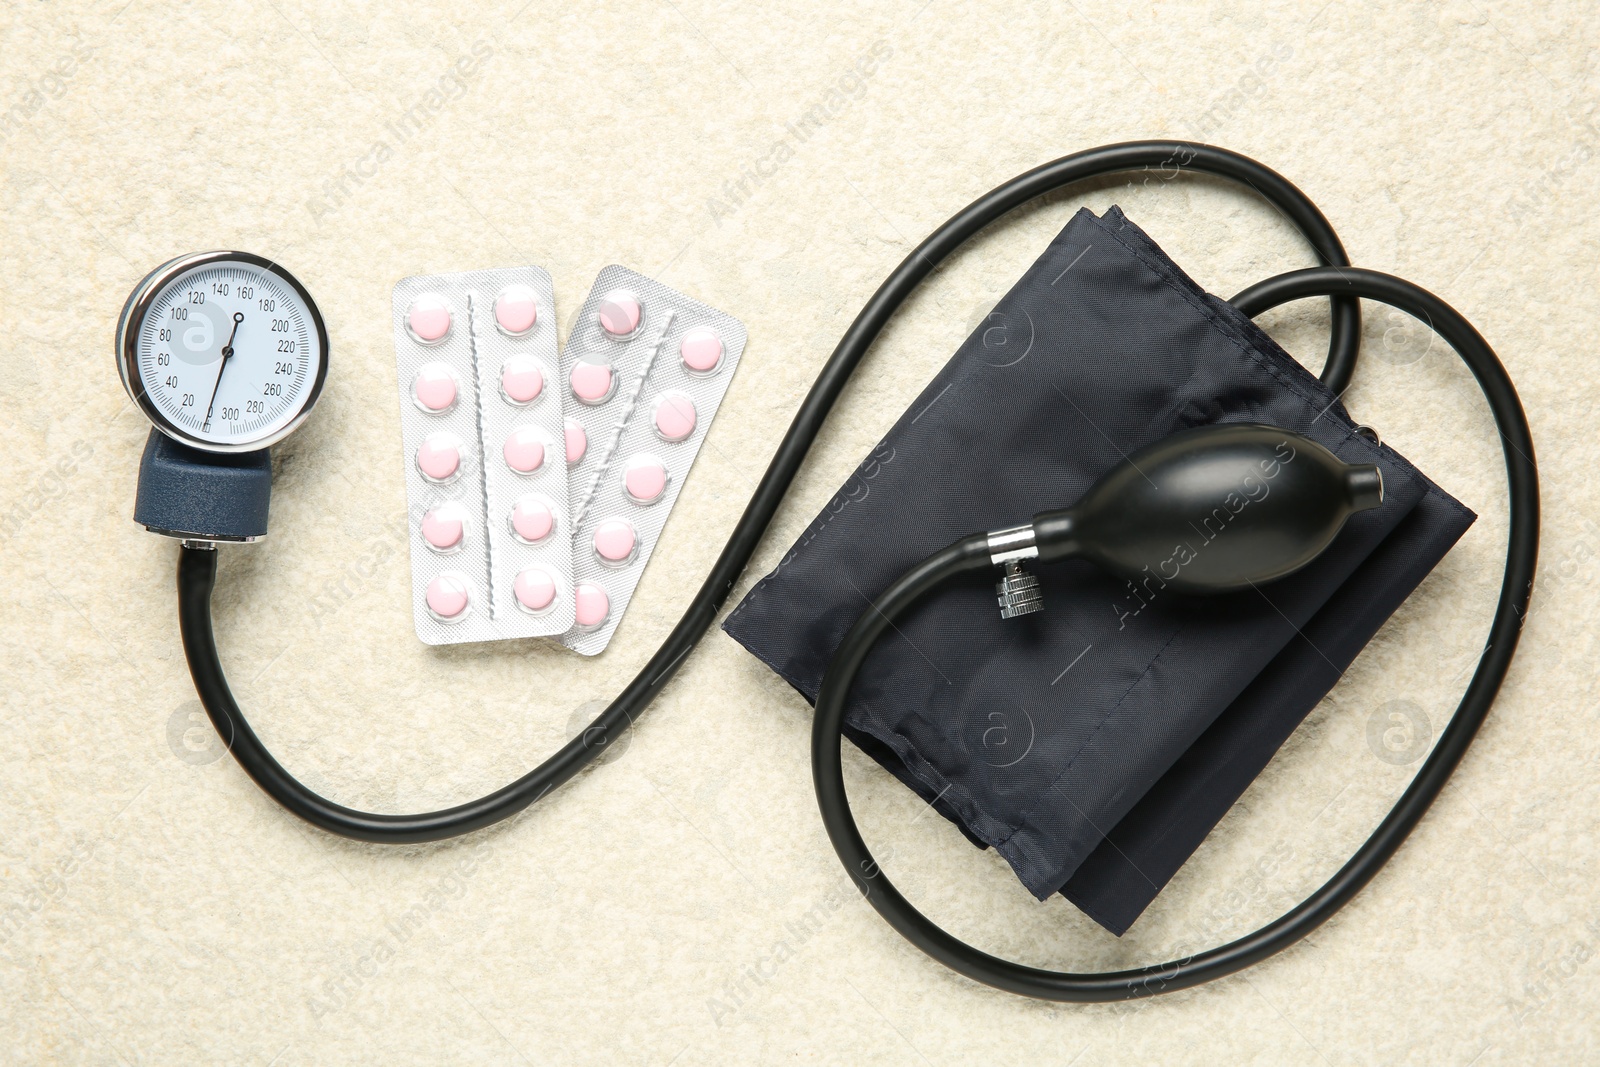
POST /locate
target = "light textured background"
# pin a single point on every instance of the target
(156, 908)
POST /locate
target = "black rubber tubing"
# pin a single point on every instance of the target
(972, 553)
(1157, 160)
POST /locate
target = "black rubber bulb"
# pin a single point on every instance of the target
(1213, 509)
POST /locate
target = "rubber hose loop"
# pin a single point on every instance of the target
(1157, 160)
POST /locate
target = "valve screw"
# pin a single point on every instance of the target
(1018, 592)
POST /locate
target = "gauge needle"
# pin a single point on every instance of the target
(227, 350)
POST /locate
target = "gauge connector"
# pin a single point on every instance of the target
(202, 496)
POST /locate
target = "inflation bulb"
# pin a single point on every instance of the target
(1208, 510)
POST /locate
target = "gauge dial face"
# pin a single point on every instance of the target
(224, 351)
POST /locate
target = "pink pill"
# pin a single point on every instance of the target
(577, 441)
(448, 597)
(675, 416)
(645, 478)
(593, 606)
(524, 450)
(532, 519)
(535, 589)
(444, 527)
(592, 382)
(619, 313)
(521, 379)
(516, 309)
(701, 350)
(439, 456)
(614, 541)
(434, 387)
(428, 320)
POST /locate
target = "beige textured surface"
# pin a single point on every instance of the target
(156, 908)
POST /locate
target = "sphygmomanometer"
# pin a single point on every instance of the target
(1192, 511)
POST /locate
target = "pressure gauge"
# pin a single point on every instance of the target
(223, 351)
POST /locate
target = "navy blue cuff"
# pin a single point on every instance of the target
(1039, 736)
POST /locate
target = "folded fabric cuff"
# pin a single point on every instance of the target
(1038, 736)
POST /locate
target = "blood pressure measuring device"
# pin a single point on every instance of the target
(226, 354)
(224, 351)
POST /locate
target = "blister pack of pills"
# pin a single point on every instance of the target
(643, 373)
(486, 473)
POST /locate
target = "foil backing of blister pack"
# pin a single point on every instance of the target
(506, 414)
(668, 377)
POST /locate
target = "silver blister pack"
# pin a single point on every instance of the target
(486, 470)
(643, 372)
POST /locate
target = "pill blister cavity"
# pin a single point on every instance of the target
(593, 606)
(444, 528)
(439, 456)
(524, 450)
(535, 590)
(577, 441)
(449, 596)
(516, 309)
(675, 416)
(644, 479)
(592, 383)
(532, 519)
(701, 350)
(435, 388)
(521, 379)
(429, 319)
(619, 313)
(615, 542)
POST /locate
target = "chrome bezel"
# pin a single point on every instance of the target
(132, 320)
